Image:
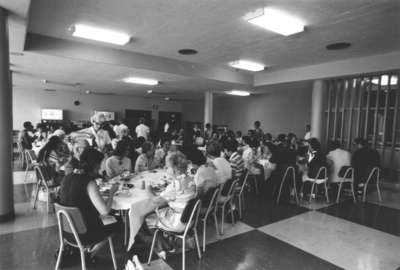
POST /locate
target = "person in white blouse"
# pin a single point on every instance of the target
(95, 134)
(119, 161)
(142, 130)
(337, 158)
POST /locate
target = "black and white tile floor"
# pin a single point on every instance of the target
(362, 236)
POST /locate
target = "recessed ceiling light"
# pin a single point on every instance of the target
(167, 98)
(187, 51)
(138, 80)
(338, 46)
(278, 21)
(247, 65)
(241, 93)
(100, 34)
(149, 91)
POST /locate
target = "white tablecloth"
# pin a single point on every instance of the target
(138, 201)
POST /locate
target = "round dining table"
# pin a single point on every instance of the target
(136, 198)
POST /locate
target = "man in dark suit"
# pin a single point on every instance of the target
(316, 159)
(364, 159)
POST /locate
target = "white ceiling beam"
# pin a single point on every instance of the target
(89, 52)
(353, 66)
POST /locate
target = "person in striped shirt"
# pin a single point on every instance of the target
(235, 159)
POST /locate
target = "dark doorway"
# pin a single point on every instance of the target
(132, 118)
(174, 119)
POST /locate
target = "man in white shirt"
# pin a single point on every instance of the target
(223, 168)
(142, 130)
(308, 133)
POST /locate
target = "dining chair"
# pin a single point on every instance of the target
(223, 201)
(290, 171)
(376, 171)
(43, 181)
(320, 178)
(210, 210)
(192, 207)
(70, 221)
(348, 177)
(239, 193)
(31, 161)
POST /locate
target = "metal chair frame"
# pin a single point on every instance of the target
(31, 161)
(211, 209)
(348, 177)
(42, 182)
(375, 171)
(63, 213)
(190, 226)
(322, 171)
(228, 199)
(285, 175)
(239, 193)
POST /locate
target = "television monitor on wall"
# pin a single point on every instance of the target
(52, 114)
(108, 115)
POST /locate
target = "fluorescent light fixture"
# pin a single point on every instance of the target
(278, 21)
(241, 93)
(149, 91)
(138, 80)
(385, 80)
(100, 34)
(247, 65)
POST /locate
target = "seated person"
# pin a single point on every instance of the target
(316, 159)
(198, 139)
(53, 156)
(26, 136)
(176, 195)
(364, 159)
(269, 158)
(235, 159)
(121, 131)
(146, 160)
(337, 158)
(81, 191)
(161, 153)
(249, 155)
(78, 147)
(222, 166)
(119, 161)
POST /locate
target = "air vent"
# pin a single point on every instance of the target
(338, 46)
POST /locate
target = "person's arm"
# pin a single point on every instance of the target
(103, 207)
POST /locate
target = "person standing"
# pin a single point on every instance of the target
(142, 130)
(26, 137)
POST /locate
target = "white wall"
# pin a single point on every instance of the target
(28, 103)
(282, 111)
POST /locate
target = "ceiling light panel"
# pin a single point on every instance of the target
(241, 93)
(100, 34)
(137, 80)
(278, 21)
(247, 65)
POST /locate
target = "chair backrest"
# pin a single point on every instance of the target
(41, 172)
(346, 172)
(374, 171)
(70, 219)
(30, 156)
(232, 188)
(243, 186)
(322, 173)
(287, 171)
(192, 208)
(212, 201)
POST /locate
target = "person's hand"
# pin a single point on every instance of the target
(114, 188)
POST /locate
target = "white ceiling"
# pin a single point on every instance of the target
(216, 29)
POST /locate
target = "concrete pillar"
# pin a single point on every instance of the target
(208, 107)
(6, 173)
(317, 109)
